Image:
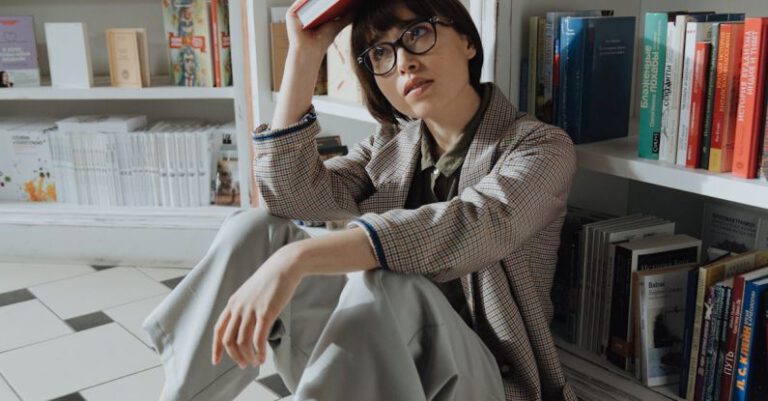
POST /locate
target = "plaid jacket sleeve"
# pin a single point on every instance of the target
(525, 191)
(293, 181)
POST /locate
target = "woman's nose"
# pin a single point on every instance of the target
(406, 61)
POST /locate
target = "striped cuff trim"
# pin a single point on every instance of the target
(376, 243)
(306, 121)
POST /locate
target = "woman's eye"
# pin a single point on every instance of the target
(378, 53)
(418, 32)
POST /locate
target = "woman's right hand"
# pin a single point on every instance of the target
(313, 41)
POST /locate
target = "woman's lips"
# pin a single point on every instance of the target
(419, 89)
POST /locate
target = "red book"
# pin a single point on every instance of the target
(734, 323)
(213, 10)
(314, 13)
(698, 99)
(726, 97)
(749, 116)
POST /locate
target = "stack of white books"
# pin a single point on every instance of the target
(114, 162)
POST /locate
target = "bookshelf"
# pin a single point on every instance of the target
(160, 90)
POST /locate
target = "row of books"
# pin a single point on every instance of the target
(116, 161)
(633, 292)
(578, 72)
(702, 97)
(197, 37)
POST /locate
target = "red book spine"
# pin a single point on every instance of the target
(698, 99)
(726, 97)
(751, 93)
(734, 323)
(213, 6)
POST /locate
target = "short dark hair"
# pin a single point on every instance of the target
(373, 18)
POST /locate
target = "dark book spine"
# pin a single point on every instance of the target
(571, 75)
(618, 349)
(709, 106)
(690, 309)
(709, 304)
(722, 335)
(712, 341)
(734, 325)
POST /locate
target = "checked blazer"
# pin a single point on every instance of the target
(499, 235)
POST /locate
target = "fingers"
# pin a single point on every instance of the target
(218, 335)
(230, 340)
(260, 338)
(244, 336)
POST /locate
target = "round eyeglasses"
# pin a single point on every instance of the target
(417, 38)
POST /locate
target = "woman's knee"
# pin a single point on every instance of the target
(254, 228)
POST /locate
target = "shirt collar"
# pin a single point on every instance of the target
(452, 160)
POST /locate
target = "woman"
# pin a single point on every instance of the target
(458, 202)
(5, 80)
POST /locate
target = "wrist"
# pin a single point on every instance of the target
(297, 261)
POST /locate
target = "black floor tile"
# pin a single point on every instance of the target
(88, 321)
(14, 297)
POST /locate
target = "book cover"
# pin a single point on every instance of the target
(572, 31)
(732, 228)
(187, 29)
(662, 308)
(690, 308)
(722, 335)
(644, 254)
(314, 13)
(26, 166)
(694, 32)
(651, 87)
(69, 55)
(18, 52)
(726, 97)
(227, 174)
(749, 115)
(695, 132)
(709, 98)
(124, 57)
(607, 84)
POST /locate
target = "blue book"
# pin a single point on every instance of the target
(571, 74)
(690, 310)
(652, 81)
(751, 322)
(609, 47)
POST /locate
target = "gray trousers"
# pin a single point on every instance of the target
(373, 336)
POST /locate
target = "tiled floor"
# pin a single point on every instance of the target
(71, 333)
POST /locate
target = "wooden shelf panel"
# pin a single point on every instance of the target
(619, 158)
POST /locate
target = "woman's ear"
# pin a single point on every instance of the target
(469, 47)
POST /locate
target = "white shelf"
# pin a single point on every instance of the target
(596, 379)
(619, 158)
(56, 214)
(102, 91)
(352, 111)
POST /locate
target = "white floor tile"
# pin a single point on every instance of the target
(74, 362)
(15, 276)
(97, 291)
(256, 392)
(268, 369)
(132, 315)
(162, 274)
(6, 394)
(144, 386)
(27, 323)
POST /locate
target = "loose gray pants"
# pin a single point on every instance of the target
(375, 336)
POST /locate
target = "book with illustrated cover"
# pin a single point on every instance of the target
(26, 168)
(124, 54)
(187, 29)
(18, 52)
(227, 171)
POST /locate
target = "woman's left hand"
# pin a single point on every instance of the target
(245, 323)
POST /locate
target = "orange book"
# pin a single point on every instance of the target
(726, 97)
(749, 116)
(698, 98)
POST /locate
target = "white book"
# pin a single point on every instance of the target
(671, 119)
(69, 54)
(181, 167)
(103, 123)
(694, 32)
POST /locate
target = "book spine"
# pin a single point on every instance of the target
(572, 75)
(701, 58)
(667, 147)
(726, 97)
(722, 335)
(549, 57)
(213, 6)
(690, 307)
(689, 54)
(698, 318)
(618, 348)
(749, 315)
(712, 341)
(540, 65)
(764, 161)
(734, 324)
(654, 55)
(704, 347)
(706, 135)
(533, 40)
(751, 94)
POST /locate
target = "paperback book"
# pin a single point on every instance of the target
(18, 52)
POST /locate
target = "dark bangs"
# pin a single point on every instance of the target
(374, 18)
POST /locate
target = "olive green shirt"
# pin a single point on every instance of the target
(438, 181)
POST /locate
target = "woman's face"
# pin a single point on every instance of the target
(444, 69)
(5, 78)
